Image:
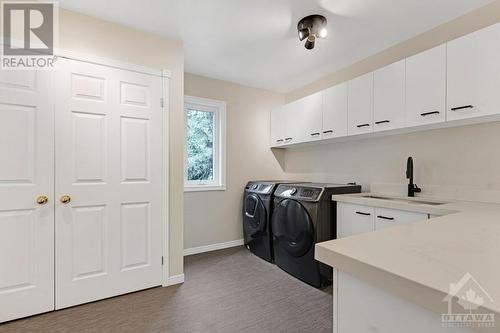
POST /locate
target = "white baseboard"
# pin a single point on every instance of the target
(176, 279)
(212, 247)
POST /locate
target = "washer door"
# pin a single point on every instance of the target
(293, 227)
(254, 217)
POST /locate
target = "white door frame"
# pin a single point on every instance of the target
(165, 75)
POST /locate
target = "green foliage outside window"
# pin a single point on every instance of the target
(200, 145)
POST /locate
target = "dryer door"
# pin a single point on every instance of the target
(254, 217)
(293, 227)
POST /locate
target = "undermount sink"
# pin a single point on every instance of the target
(427, 202)
(422, 202)
(381, 198)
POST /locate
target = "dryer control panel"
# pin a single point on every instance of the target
(299, 192)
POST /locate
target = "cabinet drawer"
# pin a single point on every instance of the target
(387, 218)
(354, 219)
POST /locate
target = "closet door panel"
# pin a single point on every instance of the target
(109, 164)
(26, 193)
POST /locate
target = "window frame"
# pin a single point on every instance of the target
(219, 161)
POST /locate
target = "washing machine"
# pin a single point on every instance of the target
(304, 214)
(257, 212)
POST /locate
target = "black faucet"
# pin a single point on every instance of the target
(412, 188)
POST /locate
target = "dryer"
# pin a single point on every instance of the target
(304, 214)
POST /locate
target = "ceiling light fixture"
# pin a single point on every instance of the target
(312, 27)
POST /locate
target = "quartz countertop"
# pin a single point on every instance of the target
(419, 261)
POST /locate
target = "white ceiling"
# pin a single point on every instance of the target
(254, 42)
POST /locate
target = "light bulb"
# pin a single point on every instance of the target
(323, 33)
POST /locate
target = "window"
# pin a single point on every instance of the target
(205, 144)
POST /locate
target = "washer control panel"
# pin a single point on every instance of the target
(261, 188)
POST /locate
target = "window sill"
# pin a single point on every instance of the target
(204, 188)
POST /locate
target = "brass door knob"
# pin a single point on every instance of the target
(42, 200)
(65, 199)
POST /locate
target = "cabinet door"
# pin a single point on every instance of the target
(335, 111)
(387, 218)
(474, 74)
(354, 219)
(360, 105)
(277, 127)
(389, 97)
(291, 118)
(311, 117)
(304, 119)
(426, 87)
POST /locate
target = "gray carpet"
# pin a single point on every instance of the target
(225, 291)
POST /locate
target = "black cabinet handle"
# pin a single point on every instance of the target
(382, 122)
(385, 217)
(462, 107)
(280, 140)
(429, 113)
(365, 214)
(326, 132)
(288, 139)
(315, 134)
(363, 125)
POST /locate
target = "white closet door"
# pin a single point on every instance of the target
(109, 162)
(26, 173)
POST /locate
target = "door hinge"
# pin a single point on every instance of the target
(162, 102)
(162, 260)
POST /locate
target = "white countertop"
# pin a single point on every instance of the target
(419, 261)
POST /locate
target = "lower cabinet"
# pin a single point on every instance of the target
(354, 219)
(386, 218)
(362, 307)
(357, 219)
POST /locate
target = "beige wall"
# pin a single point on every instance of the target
(215, 217)
(87, 35)
(466, 156)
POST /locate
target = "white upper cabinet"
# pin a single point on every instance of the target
(426, 87)
(294, 124)
(389, 97)
(459, 80)
(335, 111)
(360, 105)
(311, 117)
(298, 121)
(291, 121)
(278, 127)
(474, 74)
